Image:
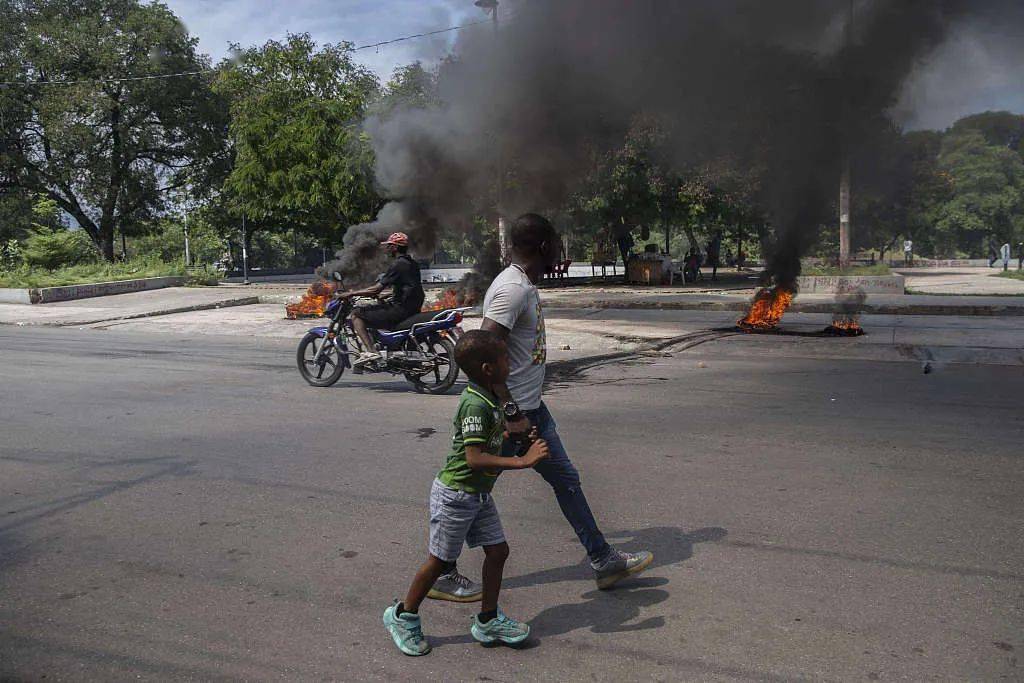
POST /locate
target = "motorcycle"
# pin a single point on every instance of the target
(422, 349)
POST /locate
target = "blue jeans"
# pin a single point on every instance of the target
(559, 472)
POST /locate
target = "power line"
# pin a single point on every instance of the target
(206, 71)
(110, 80)
(420, 35)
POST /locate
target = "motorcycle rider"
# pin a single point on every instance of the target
(404, 278)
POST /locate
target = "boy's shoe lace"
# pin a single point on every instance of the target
(618, 565)
(500, 629)
(455, 587)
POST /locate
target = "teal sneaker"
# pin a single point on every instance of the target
(406, 631)
(500, 629)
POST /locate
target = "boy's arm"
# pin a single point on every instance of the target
(477, 459)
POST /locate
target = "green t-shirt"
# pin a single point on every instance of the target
(477, 421)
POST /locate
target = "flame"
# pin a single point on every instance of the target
(452, 298)
(767, 308)
(314, 301)
(845, 325)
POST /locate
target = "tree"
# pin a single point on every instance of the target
(410, 86)
(302, 159)
(1000, 128)
(106, 151)
(15, 214)
(987, 193)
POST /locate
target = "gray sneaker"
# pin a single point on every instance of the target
(456, 587)
(619, 565)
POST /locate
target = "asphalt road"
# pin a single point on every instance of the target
(178, 508)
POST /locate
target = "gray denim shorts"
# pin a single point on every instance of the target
(457, 517)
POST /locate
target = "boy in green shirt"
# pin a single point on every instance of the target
(461, 507)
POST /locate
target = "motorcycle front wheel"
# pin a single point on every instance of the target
(442, 376)
(322, 372)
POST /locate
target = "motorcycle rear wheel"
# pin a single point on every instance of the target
(442, 377)
(327, 370)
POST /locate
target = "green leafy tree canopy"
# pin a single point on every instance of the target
(106, 151)
(301, 157)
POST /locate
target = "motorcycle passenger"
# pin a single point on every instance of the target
(404, 278)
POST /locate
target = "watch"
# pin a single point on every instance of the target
(511, 410)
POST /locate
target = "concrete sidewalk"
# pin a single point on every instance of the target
(732, 295)
(972, 281)
(126, 306)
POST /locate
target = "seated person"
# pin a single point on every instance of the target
(406, 300)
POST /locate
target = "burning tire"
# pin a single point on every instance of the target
(440, 378)
(323, 371)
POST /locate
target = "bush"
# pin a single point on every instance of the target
(10, 255)
(50, 249)
(204, 276)
(97, 271)
(167, 243)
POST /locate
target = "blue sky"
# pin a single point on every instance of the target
(252, 22)
(979, 69)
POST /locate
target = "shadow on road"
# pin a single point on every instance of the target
(608, 611)
(605, 611)
(670, 545)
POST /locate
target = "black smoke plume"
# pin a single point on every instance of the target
(787, 87)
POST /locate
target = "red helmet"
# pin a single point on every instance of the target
(399, 239)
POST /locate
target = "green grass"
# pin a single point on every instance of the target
(877, 269)
(89, 273)
(1012, 274)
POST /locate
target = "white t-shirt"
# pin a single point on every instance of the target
(513, 302)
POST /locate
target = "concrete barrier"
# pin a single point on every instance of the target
(46, 295)
(15, 296)
(841, 284)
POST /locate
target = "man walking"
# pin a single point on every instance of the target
(512, 310)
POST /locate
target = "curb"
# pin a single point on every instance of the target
(46, 295)
(226, 303)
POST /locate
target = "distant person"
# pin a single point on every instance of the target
(908, 253)
(406, 300)
(1004, 253)
(714, 253)
(1020, 255)
(625, 244)
(462, 509)
(691, 266)
(993, 255)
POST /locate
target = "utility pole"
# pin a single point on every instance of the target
(245, 255)
(503, 246)
(844, 176)
(188, 256)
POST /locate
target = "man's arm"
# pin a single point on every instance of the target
(501, 390)
(373, 290)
